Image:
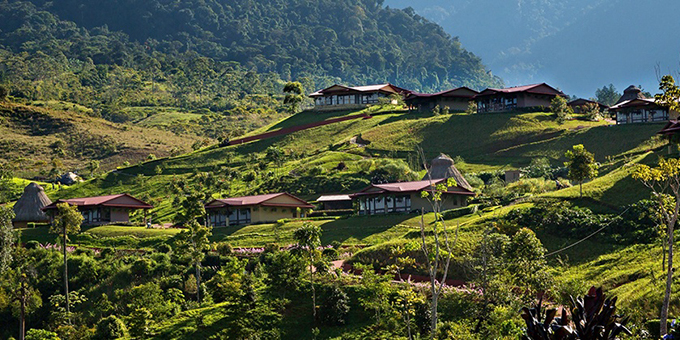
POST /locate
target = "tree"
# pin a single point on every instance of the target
(7, 237)
(111, 327)
(670, 97)
(41, 334)
(581, 165)
(664, 182)
(592, 111)
(67, 221)
(438, 257)
(196, 242)
(559, 107)
(334, 307)
(607, 95)
(294, 96)
(308, 237)
(472, 107)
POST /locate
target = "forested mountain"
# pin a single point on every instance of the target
(348, 41)
(577, 45)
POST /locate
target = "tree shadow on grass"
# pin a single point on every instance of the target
(361, 227)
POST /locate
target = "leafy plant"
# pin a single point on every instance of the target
(593, 318)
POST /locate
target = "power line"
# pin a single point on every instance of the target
(587, 237)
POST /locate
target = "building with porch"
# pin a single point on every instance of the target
(341, 97)
(456, 99)
(255, 209)
(102, 210)
(405, 197)
(634, 107)
(516, 98)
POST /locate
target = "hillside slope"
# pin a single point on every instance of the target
(310, 159)
(33, 140)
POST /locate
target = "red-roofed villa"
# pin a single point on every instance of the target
(102, 209)
(341, 97)
(514, 98)
(406, 197)
(255, 209)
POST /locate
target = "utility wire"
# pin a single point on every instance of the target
(587, 237)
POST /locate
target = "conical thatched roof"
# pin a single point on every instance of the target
(442, 167)
(28, 207)
(632, 92)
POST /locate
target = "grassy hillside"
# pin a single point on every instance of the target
(31, 137)
(482, 142)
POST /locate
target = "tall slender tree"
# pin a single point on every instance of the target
(67, 221)
(308, 237)
(294, 96)
(195, 238)
(438, 252)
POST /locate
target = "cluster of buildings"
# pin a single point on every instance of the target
(632, 107)
(34, 206)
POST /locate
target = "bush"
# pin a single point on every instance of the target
(106, 252)
(330, 253)
(531, 186)
(111, 327)
(334, 307)
(41, 334)
(458, 212)
(163, 248)
(32, 244)
(224, 248)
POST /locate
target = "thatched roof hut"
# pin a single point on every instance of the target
(443, 167)
(29, 206)
(631, 93)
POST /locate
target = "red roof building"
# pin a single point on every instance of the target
(255, 209)
(518, 97)
(457, 100)
(406, 197)
(103, 209)
(340, 97)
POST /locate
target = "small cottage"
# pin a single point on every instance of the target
(102, 210)
(634, 107)
(335, 202)
(255, 209)
(28, 208)
(340, 97)
(536, 96)
(406, 197)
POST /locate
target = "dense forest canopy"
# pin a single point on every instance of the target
(349, 41)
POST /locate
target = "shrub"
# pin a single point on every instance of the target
(458, 212)
(531, 186)
(111, 327)
(334, 307)
(163, 248)
(106, 252)
(224, 248)
(330, 253)
(32, 244)
(41, 334)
